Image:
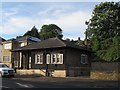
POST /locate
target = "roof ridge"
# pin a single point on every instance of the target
(61, 41)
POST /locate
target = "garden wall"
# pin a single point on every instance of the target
(105, 70)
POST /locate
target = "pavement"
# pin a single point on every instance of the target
(44, 78)
(51, 79)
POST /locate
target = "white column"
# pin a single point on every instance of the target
(20, 59)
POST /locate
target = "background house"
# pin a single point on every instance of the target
(56, 57)
(8, 57)
(1, 40)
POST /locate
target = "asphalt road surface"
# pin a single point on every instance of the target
(49, 82)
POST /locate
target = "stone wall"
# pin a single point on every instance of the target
(41, 72)
(31, 72)
(59, 73)
(99, 71)
(104, 75)
(105, 71)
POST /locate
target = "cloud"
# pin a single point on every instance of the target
(17, 25)
(0, 30)
(58, 9)
(8, 13)
(59, 0)
(53, 12)
(72, 23)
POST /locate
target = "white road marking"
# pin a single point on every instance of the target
(23, 85)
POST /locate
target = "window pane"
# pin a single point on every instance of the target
(84, 59)
(5, 58)
(29, 61)
(16, 64)
(53, 58)
(38, 58)
(22, 44)
(61, 58)
(7, 46)
(48, 59)
(41, 58)
(58, 58)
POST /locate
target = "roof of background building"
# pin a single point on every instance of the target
(27, 38)
(51, 43)
(21, 39)
(2, 40)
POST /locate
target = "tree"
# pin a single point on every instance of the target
(104, 31)
(49, 31)
(19, 36)
(33, 32)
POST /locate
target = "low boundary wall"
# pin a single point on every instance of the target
(105, 71)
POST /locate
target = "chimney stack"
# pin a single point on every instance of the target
(79, 39)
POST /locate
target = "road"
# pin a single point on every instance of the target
(49, 82)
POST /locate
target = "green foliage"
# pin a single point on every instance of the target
(33, 32)
(19, 36)
(80, 43)
(104, 31)
(49, 31)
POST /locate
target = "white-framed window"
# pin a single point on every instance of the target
(84, 59)
(38, 58)
(57, 58)
(22, 44)
(16, 64)
(48, 59)
(60, 58)
(7, 46)
(29, 61)
(6, 58)
(53, 58)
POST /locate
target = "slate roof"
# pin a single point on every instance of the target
(27, 38)
(22, 39)
(51, 43)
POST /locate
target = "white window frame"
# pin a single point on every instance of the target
(84, 59)
(6, 58)
(48, 59)
(22, 44)
(30, 62)
(38, 58)
(58, 58)
(7, 46)
(53, 58)
(16, 64)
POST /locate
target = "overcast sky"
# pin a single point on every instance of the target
(19, 17)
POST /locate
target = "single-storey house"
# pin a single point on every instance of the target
(56, 57)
